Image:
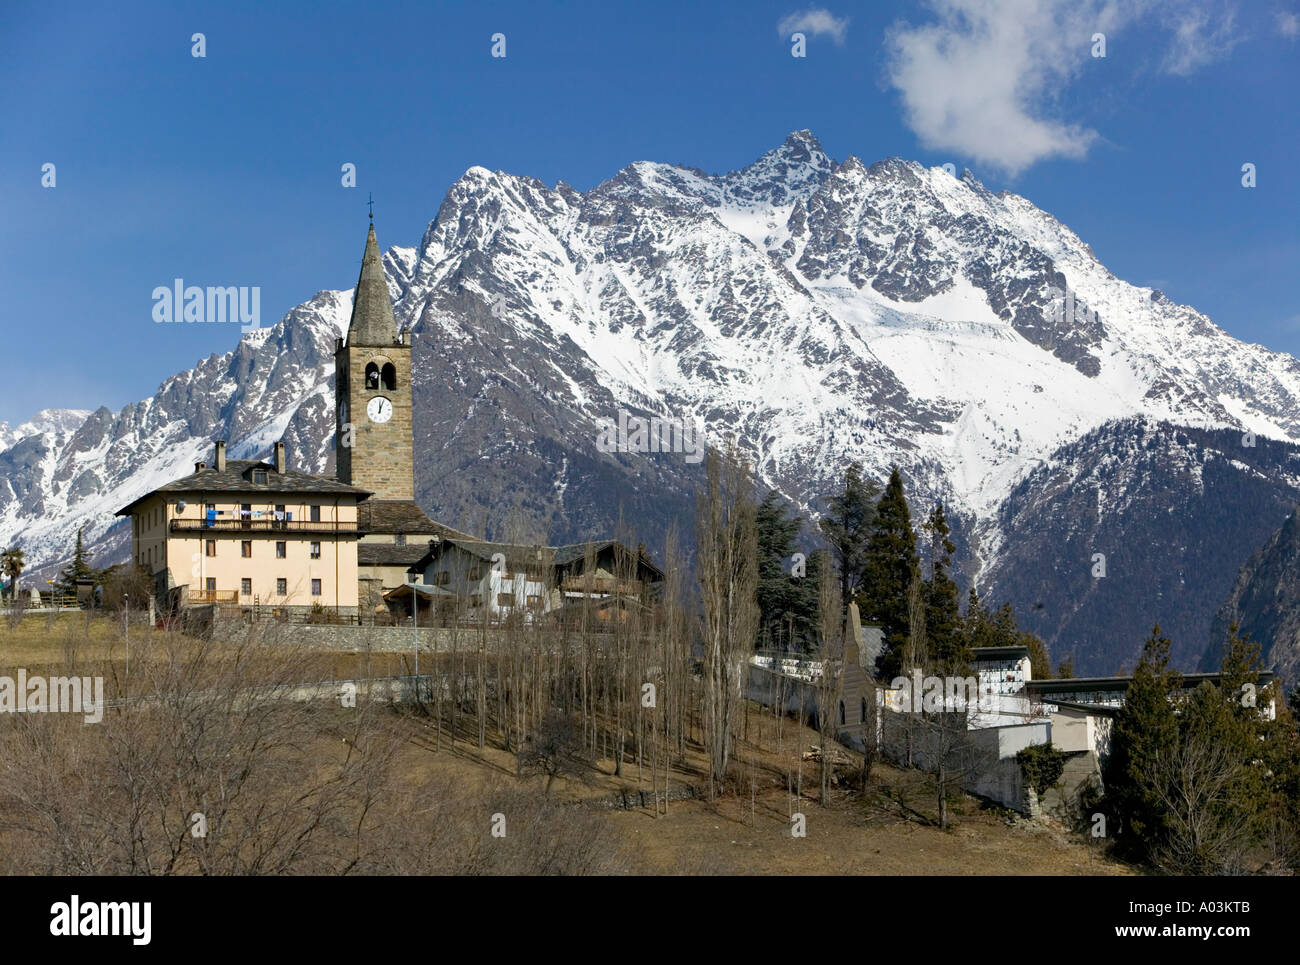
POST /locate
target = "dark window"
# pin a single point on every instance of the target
(841, 713)
(475, 599)
(505, 599)
(259, 477)
(315, 551)
(280, 550)
(399, 539)
(211, 584)
(315, 587)
(863, 712)
(388, 375)
(282, 586)
(211, 548)
(245, 510)
(246, 548)
(246, 586)
(534, 601)
(315, 514)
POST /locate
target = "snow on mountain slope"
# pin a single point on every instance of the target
(819, 312)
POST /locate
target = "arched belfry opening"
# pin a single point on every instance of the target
(372, 375)
(388, 376)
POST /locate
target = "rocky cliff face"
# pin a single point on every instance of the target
(1264, 602)
(817, 311)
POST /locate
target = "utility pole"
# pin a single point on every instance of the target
(126, 636)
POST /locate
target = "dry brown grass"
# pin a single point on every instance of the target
(885, 829)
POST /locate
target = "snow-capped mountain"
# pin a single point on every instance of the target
(818, 312)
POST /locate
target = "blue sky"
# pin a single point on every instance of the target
(225, 170)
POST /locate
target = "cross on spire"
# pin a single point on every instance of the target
(371, 202)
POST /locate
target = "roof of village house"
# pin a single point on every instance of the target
(993, 653)
(402, 516)
(520, 553)
(387, 554)
(237, 478)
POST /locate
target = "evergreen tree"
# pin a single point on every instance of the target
(847, 527)
(788, 616)
(891, 566)
(1065, 669)
(1209, 790)
(78, 569)
(1145, 730)
(1273, 785)
(943, 634)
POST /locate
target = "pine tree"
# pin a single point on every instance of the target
(78, 569)
(1145, 731)
(942, 619)
(787, 603)
(847, 527)
(891, 566)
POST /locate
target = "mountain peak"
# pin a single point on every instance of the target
(783, 175)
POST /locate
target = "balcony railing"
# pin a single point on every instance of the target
(601, 584)
(260, 526)
(213, 596)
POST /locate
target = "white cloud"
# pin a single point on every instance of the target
(1199, 39)
(815, 21)
(1288, 25)
(983, 78)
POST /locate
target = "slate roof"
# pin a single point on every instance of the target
(402, 516)
(237, 478)
(520, 554)
(386, 554)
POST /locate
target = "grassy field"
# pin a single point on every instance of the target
(888, 828)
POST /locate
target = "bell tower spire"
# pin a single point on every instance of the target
(372, 320)
(372, 389)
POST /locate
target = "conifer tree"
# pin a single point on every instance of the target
(78, 569)
(891, 566)
(788, 604)
(1145, 731)
(847, 527)
(942, 619)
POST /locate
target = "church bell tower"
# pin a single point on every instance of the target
(372, 388)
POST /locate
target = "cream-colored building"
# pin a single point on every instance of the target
(251, 534)
(265, 538)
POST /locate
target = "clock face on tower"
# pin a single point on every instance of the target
(379, 409)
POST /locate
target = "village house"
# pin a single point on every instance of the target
(250, 534)
(493, 581)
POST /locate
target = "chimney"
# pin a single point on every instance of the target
(279, 457)
(220, 462)
(200, 466)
